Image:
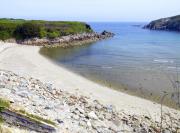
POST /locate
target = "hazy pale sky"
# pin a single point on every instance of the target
(90, 10)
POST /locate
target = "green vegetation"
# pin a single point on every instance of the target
(37, 118)
(25, 29)
(3, 105)
(6, 104)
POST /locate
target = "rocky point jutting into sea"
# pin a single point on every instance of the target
(70, 40)
(65, 41)
(52, 33)
(169, 24)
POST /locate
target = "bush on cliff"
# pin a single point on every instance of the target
(4, 35)
(53, 34)
(25, 29)
(28, 30)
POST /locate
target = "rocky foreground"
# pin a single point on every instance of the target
(168, 24)
(75, 113)
(65, 41)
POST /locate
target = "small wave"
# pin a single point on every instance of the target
(171, 67)
(163, 61)
(105, 67)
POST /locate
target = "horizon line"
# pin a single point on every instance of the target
(118, 21)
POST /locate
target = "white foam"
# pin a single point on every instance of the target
(105, 67)
(163, 61)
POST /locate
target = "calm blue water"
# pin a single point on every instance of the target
(141, 61)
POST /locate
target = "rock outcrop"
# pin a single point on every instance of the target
(168, 24)
(107, 34)
(66, 41)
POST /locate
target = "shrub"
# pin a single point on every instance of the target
(43, 33)
(53, 35)
(4, 35)
(28, 30)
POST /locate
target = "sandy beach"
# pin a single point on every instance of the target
(26, 61)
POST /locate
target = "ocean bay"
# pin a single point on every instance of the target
(137, 61)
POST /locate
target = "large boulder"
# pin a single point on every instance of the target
(107, 34)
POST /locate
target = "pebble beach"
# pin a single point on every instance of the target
(33, 83)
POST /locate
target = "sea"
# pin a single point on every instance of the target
(141, 62)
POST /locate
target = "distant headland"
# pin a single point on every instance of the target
(40, 32)
(168, 24)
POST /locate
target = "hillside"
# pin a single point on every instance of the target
(24, 29)
(169, 24)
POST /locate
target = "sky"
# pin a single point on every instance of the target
(90, 10)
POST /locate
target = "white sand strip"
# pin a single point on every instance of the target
(26, 61)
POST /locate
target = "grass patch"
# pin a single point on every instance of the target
(38, 118)
(3, 105)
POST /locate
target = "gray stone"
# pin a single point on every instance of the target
(59, 121)
(81, 110)
(24, 94)
(97, 124)
(82, 123)
(108, 116)
(166, 131)
(89, 124)
(50, 107)
(2, 86)
(98, 106)
(92, 115)
(76, 117)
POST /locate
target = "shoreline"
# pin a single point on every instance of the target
(124, 88)
(27, 61)
(64, 41)
(129, 91)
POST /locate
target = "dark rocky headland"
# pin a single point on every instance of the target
(168, 24)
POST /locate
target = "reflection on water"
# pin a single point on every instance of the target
(139, 61)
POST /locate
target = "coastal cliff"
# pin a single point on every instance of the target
(168, 24)
(43, 33)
